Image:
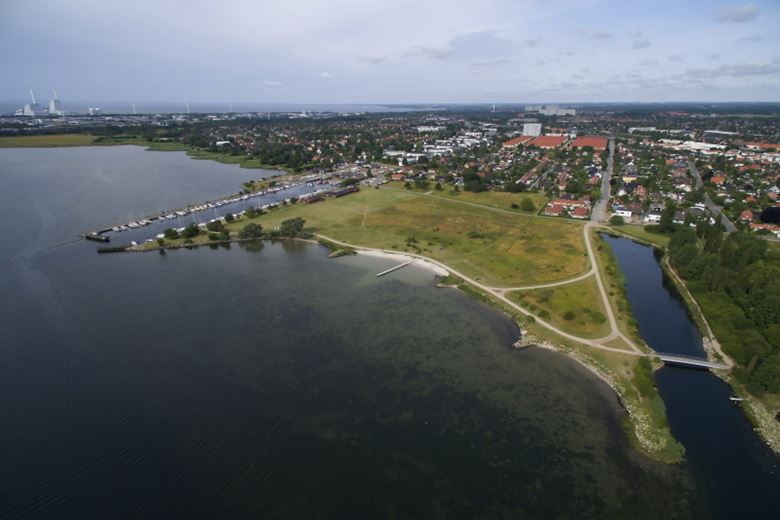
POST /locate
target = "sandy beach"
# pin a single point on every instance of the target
(400, 257)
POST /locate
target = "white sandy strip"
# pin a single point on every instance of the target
(401, 258)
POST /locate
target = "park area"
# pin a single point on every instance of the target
(497, 247)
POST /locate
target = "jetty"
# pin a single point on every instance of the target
(388, 271)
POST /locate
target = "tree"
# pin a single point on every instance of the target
(171, 234)
(292, 227)
(251, 230)
(160, 242)
(215, 226)
(666, 225)
(438, 186)
(616, 220)
(229, 217)
(190, 231)
(250, 212)
(527, 205)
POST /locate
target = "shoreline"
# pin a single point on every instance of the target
(643, 434)
(401, 257)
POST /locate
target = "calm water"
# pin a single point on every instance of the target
(737, 472)
(270, 381)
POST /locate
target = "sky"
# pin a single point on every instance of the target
(393, 51)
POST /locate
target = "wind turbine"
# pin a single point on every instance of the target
(133, 103)
(32, 96)
(188, 106)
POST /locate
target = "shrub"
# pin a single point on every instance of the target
(251, 230)
(617, 220)
(229, 217)
(215, 226)
(292, 227)
(190, 231)
(527, 205)
(171, 234)
(569, 315)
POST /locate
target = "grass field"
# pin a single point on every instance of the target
(575, 308)
(46, 141)
(639, 232)
(498, 248)
(496, 199)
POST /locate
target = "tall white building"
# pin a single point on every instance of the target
(532, 129)
(55, 107)
(31, 109)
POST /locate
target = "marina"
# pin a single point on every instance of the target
(306, 189)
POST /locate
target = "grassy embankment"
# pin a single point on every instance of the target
(639, 232)
(47, 141)
(501, 249)
(615, 285)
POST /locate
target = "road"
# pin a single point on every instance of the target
(714, 208)
(599, 213)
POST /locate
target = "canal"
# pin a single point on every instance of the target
(735, 470)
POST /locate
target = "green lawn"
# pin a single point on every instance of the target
(639, 232)
(575, 308)
(45, 141)
(498, 248)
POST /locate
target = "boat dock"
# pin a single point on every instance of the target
(388, 271)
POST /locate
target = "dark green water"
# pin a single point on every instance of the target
(270, 381)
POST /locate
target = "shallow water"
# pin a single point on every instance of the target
(269, 380)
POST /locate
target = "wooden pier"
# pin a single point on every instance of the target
(394, 268)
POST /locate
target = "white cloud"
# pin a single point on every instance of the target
(272, 83)
(737, 14)
(325, 75)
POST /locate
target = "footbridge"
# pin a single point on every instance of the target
(690, 361)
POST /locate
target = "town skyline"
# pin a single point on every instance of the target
(348, 52)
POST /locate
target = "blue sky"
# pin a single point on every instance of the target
(405, 51)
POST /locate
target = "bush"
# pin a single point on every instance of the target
(292, 227)
(527, 205)
(171, 234)
(190, 231)
(617, 220)
(250, 212)
(515, 206)
(569, 315)
(229, 217)
(215, 226)
(251, 230)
